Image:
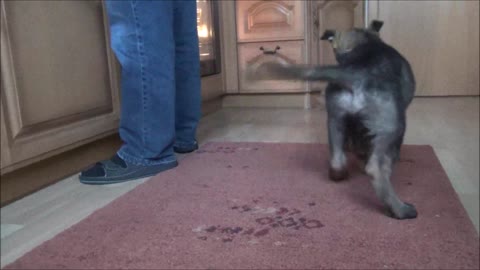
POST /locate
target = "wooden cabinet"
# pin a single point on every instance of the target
(59, 84)
(295, 28)
(270, 31)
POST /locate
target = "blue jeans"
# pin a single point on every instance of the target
(156, 44)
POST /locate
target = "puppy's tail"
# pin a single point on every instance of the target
(274, 71)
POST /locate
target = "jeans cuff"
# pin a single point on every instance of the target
(144, 162)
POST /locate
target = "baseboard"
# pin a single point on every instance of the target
(211, 106)
(24, 181)
(300, 100)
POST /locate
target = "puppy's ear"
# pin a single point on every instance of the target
(375, 25)
(328, 35)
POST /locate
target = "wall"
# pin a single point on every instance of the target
(439, 38)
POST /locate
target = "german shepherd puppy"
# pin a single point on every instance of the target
(366, 98)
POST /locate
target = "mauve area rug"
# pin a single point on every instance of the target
(261, 205)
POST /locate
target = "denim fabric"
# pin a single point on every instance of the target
(156, 44)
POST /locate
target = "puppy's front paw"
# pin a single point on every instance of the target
(338, 174)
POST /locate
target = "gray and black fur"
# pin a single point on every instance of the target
(367, 98)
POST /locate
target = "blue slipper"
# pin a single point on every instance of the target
(116, 170)
(184, 148)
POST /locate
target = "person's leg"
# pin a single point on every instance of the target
(187, 75)
(142, 39)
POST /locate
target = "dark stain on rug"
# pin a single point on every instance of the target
(261, 232)
(264, 220)
(225, 150)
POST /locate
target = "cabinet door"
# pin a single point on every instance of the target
(440, 39)
(270, 20)
(59, 82)
(339, 15)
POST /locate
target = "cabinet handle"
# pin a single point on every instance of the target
(266, 51)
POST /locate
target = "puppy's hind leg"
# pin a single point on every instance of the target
(336, 139)
(380, 166)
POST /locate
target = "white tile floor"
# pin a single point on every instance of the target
(450, 125)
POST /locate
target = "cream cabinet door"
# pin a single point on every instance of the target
(270, 20)
(339, 15)
(59, 86)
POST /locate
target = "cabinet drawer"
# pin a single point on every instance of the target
(253, 55)
(270, 20)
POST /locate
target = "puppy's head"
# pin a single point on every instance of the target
(344, 42)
